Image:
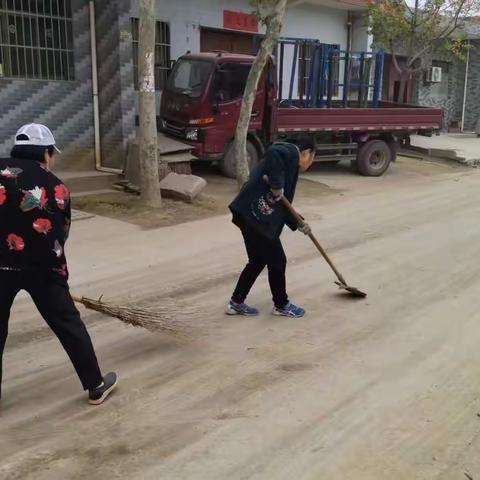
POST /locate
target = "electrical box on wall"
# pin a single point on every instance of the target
(434, 75)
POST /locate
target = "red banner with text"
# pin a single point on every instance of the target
(240, 21)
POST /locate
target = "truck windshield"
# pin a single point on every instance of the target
(189, 76)
(230, 80)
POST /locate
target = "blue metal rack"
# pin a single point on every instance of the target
(323, 84)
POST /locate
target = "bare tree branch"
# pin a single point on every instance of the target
(405, 4)
(451, 28)
(419, 68)
(418, 55)
(395, 62)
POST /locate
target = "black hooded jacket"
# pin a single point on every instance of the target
(252, 208)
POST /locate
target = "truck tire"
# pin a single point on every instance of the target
(228, 165)
(374, 158)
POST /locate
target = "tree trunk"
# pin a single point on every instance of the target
(401, 90)
(150, 185)
(274, 27)
(405, 77)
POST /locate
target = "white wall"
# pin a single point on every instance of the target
(319, 23)
(361, 39)
(187, 16)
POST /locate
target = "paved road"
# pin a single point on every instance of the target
(386, 388)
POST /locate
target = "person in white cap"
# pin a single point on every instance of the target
(35, 222)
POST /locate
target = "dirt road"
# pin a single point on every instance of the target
(386, 388)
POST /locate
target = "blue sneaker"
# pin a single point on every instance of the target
(240, 309)
(289, 310)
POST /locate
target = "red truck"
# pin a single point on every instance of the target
(201, 105)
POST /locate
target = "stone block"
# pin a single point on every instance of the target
(178, 160)
(183, 187)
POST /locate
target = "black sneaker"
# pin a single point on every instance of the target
(100, 394)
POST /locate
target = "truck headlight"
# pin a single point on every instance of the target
(191, 134)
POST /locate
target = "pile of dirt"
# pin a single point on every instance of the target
(127, 207)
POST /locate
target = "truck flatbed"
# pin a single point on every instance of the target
(388, 117)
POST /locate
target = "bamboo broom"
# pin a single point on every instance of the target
(159, 319)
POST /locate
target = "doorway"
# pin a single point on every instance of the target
(226, 41)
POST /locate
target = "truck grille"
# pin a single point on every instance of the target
(175, 131)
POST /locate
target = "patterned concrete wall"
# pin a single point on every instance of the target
(66, 107)
(452, 103)
(115, 76)
(427, 94)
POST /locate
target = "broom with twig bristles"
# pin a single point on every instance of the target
(155, 320)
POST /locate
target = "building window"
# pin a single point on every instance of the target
(304, 68)
(162, 53)
(36, 39)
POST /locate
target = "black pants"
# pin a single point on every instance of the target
(53, 301)
(263, 252)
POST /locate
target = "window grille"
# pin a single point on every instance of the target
(162, 53)
(36, 39)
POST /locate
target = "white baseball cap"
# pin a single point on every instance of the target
(36, 134)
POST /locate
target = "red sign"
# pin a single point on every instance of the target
(240, 21)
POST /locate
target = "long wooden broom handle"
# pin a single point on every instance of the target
(301, 222)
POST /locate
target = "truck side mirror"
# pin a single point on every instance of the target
(170, 68)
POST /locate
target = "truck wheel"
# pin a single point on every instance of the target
(228, 164)
(374, 158)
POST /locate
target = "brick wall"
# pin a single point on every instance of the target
(65, 107)
(115, 77)
(427, 95)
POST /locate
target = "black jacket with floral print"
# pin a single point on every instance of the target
(34, 218)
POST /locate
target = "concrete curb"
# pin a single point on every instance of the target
(445, 154)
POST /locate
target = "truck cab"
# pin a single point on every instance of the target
(202, 99)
